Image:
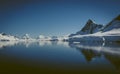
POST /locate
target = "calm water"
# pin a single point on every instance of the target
(59, 57)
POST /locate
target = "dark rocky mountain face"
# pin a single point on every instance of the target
(89, 28)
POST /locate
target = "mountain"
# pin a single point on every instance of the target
(6, 37)
(26, 36)
(89, 28)
(93, 32)
(114, 24)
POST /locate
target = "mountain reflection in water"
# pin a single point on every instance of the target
(56, 57)
(111, 51)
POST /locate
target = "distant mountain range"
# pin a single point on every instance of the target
(26, 37)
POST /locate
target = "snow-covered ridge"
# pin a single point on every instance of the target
(114, 24)
(114, 32)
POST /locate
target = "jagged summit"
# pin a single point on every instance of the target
(89, 21)
(89, 28)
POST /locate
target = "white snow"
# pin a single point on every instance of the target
(50, 38)
(61, 38)
(27, 37)
(44, 38)
(114, 32)
(112, 35)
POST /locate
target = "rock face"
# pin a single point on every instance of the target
(114, 24)
(89, 28)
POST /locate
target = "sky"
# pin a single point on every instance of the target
(53, 17)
